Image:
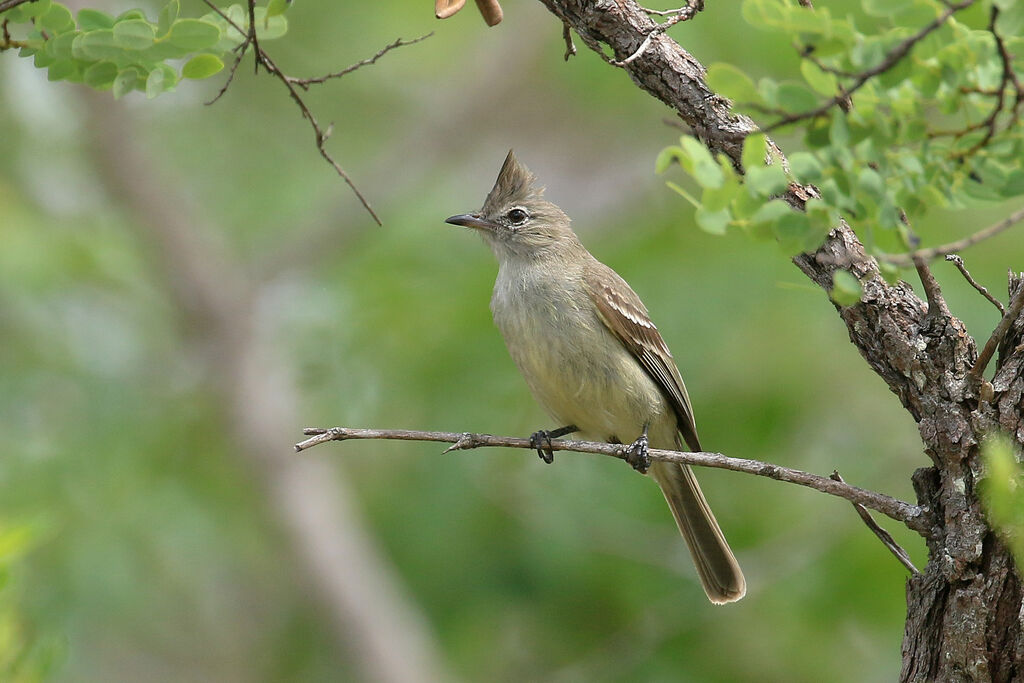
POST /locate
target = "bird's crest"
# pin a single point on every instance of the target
(515, 183)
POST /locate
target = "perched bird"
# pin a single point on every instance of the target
(592, 357)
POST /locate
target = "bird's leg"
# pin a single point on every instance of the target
(541, 440)
(636, 454)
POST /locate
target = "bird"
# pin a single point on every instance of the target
(593, 359)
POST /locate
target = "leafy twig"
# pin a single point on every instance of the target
(891, 59)
(911, 515)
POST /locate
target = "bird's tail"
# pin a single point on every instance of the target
(719, 572)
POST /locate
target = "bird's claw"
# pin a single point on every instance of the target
(637, 456)
(541, 440)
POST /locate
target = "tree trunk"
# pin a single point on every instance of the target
(965, 617)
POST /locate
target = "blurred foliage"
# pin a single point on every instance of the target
(1003, 492)
(26, 653)
(161, 560)
(130, 52)
(903, 107)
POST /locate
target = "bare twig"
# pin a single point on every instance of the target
(882, 534)
(933, 293)
(570, 47)
(321, 134)
(304, 83)
(684, 13)
(891, 59)
(911, 515)
(1010, 317)
(959, 263)
(953, 247)
(230, 78)
(251, 36)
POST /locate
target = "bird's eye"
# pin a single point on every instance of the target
(517, 216)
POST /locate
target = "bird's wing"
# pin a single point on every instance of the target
(626, 317)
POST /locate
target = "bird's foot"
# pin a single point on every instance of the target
(541, 441)
(636, 454)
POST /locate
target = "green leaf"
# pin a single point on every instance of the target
(823, 82)
(100, 76)
(269, 28)
(805, 167)
(134, 34)
(767, 180)
(763, 13)
(34, 9)
(167, 17)
(839, 132)
(61, 70)
(792, 231)
(131, 15)
(706, 170)
(755, 151)
(716, 199)
(154, 83)
(731, 82)
(666, 158)
(96, 46)
(193, 34)
(770, 212)
(91, 20)
(885, 8)
(202, 66)
(870, 182)
(275, 7)
(796, 97)
(57, 19)
(713, 222)
(1014, 184)
(124, 83)
(846, 288)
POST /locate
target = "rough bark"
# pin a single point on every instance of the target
(965, 619)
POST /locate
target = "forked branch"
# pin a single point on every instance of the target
(913, 516)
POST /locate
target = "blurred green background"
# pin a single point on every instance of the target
(183, 288)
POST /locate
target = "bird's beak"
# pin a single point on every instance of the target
(470, 220)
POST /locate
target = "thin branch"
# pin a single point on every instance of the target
(933, 293)
(570, 47)
(959, 263)
(230, 78)
(884, 536)
(251, 37)
(932, 253)
(911, 515)
(290, 82)
(891, 59)
(304, 83)
(1009, 318)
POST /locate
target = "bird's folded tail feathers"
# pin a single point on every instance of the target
(716, 565)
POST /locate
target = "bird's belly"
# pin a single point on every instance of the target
(582, 375)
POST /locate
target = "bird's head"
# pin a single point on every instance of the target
(515, 219)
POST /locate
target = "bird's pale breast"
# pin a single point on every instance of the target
(576, 369)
